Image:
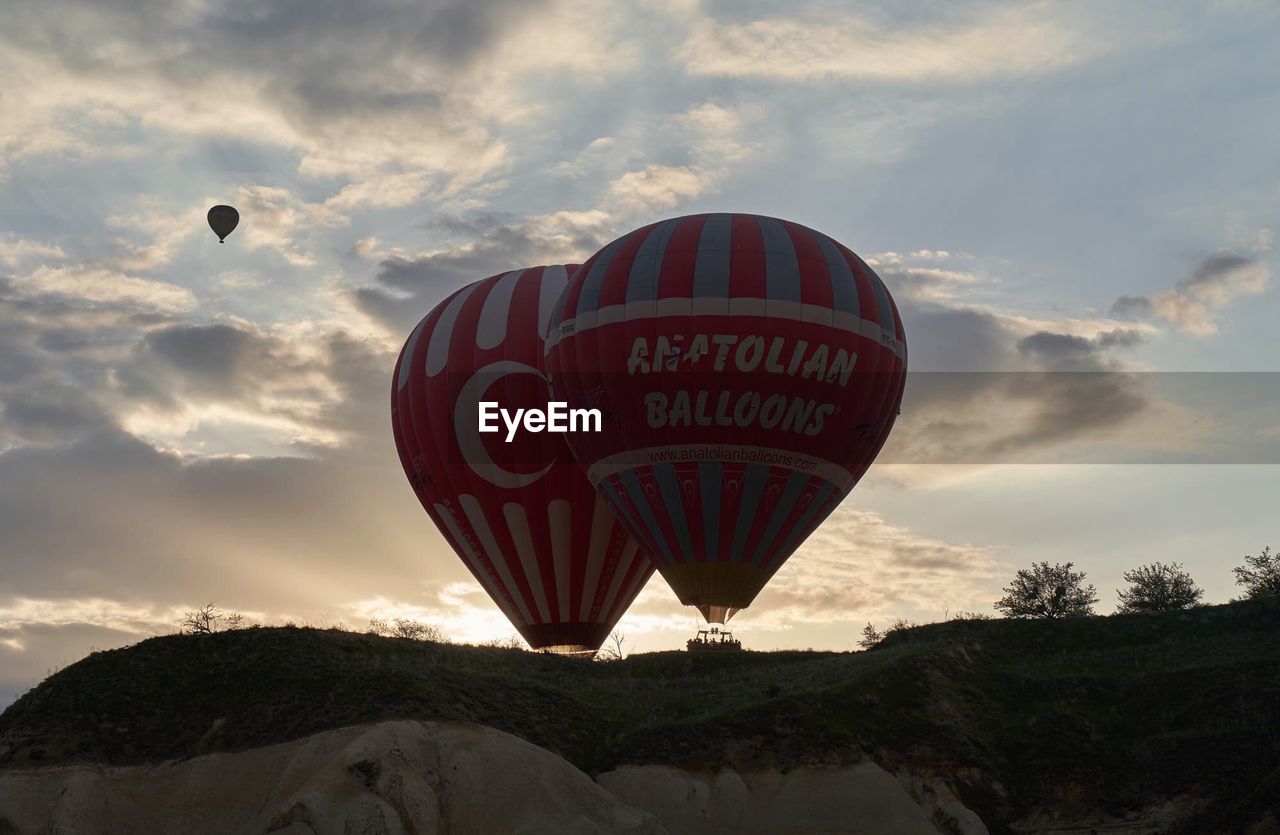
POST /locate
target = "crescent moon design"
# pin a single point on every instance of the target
(466, 426)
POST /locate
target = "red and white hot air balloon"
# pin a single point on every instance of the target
(521, 515)
(751, 369)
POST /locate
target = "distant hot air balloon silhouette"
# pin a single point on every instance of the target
(754, 368)
(223, 220)
(521, 515)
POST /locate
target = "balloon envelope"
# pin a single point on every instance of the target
(223, 220)
(521, 515)
(751, 368)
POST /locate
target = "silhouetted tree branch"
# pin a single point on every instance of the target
(414, 630)
(203, 621)
(870, 636)
(1049, 592)
(1260, 575)
(1158, 588)
(613, 648)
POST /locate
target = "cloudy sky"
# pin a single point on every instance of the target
(1087, 187)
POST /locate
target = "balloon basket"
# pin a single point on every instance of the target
(714, 639)
(569, 651)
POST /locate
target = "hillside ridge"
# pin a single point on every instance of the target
(1107, 713)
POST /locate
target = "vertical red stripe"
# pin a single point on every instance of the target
(690, 487)
(652, 491)
(815, 277)
(746, 260)
(733, 479)
(635, 573)
(867, 301)
(569, 309)
(676, 279)
(774, 488)
(616, 278)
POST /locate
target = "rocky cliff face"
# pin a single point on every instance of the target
(855, 798)
(429, 777)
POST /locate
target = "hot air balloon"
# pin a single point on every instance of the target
(753, 368)
(223, 220)
(521, 515)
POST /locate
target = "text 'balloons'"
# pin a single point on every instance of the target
(752, 368)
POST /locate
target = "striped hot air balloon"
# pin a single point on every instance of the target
(521, 515)
(753, 368)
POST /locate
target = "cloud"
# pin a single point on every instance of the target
(991, 387)
(399, 93)
(15, 251)
(688, 154)
(109, 614)
(265, 534)
(462, 610)
(930, 284)
(1219, 277)
(998, 42)
(856, 567)
(946, 338)
(48, 411)
(409, 286)
(1212, 285)
(660, 187)
(66, 327)
(1063, 350)
(935, 277)
(166, 227)
(219, 360)
(717, 135)
(85, 283)
(84, 349)
(305, 387)
(389, 191)
(271, 217)
(274, 218)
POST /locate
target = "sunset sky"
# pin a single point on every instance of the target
(1044, 186)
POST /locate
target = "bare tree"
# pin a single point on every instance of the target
(613, 648)
(1048, 592)
(416, 630)
(203, 621)
(900, 624)
(1260, 575)
(411, 629)
(209, 619)
(870, 636)
(1158, 588)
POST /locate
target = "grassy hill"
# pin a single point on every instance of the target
(1100, 713)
